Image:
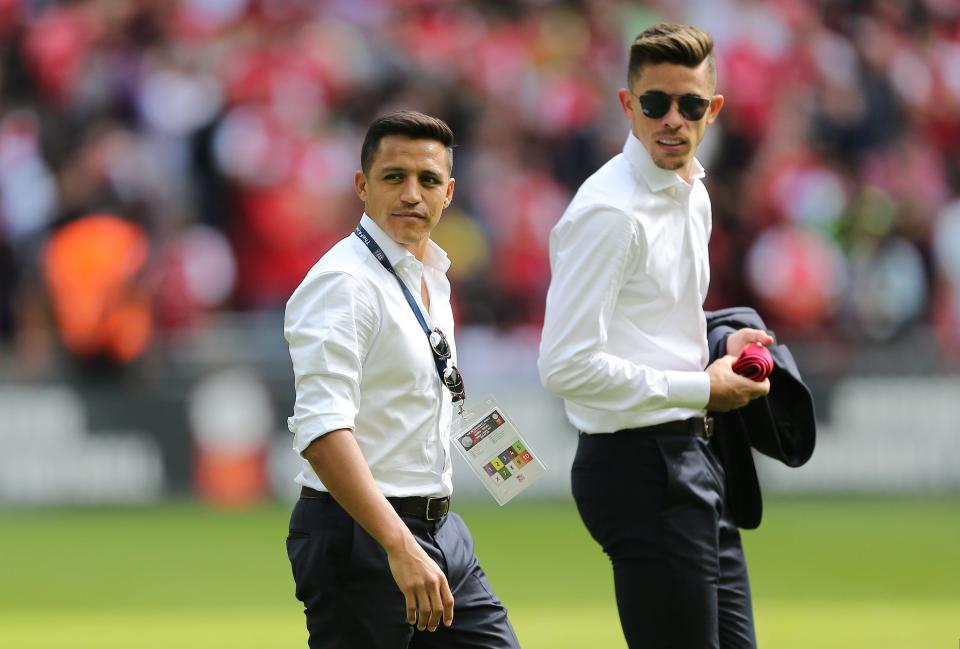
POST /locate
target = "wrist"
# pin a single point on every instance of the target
(396, 539)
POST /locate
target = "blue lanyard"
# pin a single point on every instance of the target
(381, 256)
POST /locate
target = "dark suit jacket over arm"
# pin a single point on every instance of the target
(780, 425)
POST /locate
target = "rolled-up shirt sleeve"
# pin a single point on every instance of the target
(329, 322)
(591, 256)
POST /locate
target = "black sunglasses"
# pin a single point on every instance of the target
(655, 105)
(451, 375)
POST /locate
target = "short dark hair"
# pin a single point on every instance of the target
(408, 123)
(671, 43)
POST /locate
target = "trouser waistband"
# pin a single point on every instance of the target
(427, 508)
(696, 426)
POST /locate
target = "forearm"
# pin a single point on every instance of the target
(338, 462)
(606, 382)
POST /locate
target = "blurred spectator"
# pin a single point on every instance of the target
(93, 268)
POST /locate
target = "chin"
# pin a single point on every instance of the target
(409, 238)
(671, 165)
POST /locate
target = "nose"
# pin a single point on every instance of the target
(673, 119)
(411, 191)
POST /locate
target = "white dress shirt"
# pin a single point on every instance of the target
(361, 361)
(624, 337)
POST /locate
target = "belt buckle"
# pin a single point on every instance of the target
(443, 500)
(426, 514)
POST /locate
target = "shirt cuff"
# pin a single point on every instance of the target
(688, 389)
(305, 432)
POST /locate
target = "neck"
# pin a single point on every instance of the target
(418, 249)
(686, 172)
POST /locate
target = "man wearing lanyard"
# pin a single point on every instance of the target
(377, 558)
(625, 344)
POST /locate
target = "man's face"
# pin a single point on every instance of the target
(671, 140)
(407, 188)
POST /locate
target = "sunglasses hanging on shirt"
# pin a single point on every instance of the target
(449, 374)
(656, 104)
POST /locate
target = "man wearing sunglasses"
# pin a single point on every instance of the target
(625, 344)
(377, 558)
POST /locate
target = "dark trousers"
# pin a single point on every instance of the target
(654, 502)
(350, 598)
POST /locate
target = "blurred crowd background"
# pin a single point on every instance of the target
(170, 169)
(164, 161)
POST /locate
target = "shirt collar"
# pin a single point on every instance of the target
(435, 257)
(657, 179)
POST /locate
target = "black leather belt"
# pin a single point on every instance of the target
(698, 427)
(429, 509)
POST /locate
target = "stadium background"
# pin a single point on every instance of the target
(170, 169)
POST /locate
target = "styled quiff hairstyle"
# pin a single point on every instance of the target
(671, 43)
(408, 123)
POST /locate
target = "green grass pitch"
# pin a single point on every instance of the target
(827, 573)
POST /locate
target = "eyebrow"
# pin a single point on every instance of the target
(395, 169)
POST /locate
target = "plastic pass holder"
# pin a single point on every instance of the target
(496, 452)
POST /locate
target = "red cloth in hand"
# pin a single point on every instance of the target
(754, 362)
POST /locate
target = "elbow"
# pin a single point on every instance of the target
(557, 375)
(547, 370)
(548, 377)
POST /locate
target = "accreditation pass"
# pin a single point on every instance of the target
(496, 452)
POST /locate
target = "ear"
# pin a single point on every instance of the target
(360, 185)
(716, 103)
(627, 104)
(449, 197)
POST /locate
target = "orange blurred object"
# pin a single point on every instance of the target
(231, 480)
(93, 267)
